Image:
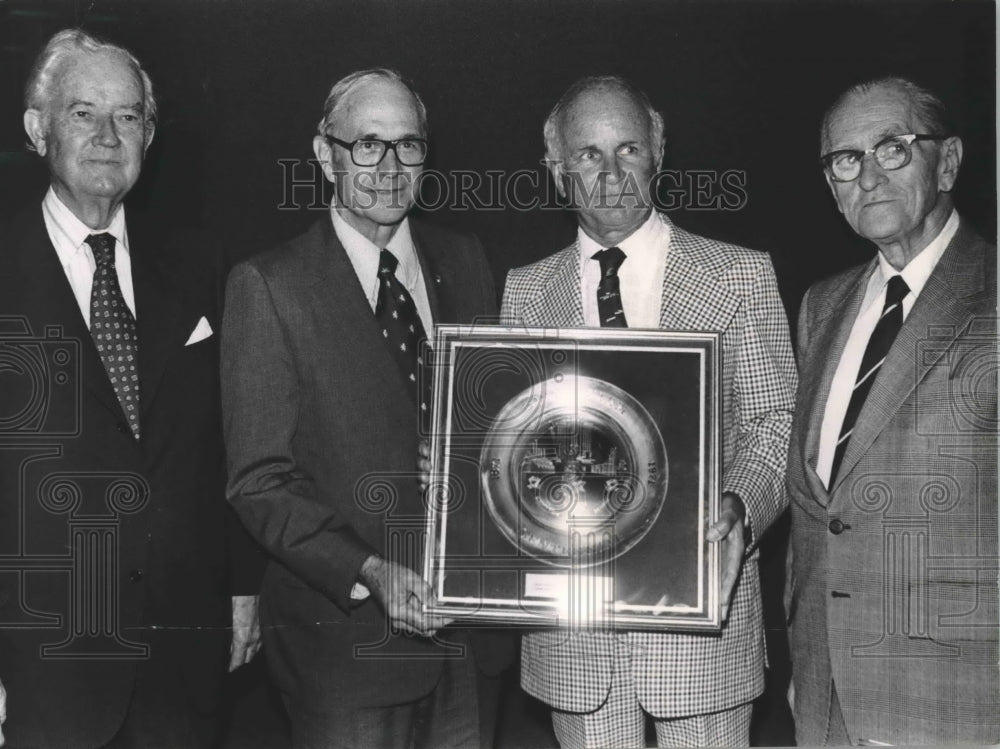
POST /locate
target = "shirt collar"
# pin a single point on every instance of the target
(642, 245)
(917, 271)
(364, 254)
(72, 232)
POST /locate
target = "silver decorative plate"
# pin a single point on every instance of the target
(574, 471)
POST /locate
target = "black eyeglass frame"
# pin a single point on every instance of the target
(386, 145)
(908, 139)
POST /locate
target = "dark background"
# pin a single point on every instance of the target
(742, 86)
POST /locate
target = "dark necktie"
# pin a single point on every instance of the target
(401, 328)
(878, 347)
(609, 296)
(112, 327)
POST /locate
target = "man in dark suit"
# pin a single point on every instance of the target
(323, 396)
(114, 610)
(630, 266)
(892, 469)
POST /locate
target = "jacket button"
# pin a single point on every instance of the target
(122, 427)
(135, 576)
(836, 527)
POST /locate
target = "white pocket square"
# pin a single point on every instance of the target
(359, 592)
(201, 331)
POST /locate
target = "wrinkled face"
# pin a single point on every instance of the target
(93, 132)
(607, 162)
(898, 206)
(372, 197)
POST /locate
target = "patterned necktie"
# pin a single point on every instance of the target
(878, 347)
(401, 328)
(609, 297)
(112, 327)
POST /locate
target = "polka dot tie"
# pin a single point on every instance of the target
(609, 296)
(401, 329)
(112, 327)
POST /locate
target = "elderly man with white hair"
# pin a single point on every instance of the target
(892, 470)
(113, 521)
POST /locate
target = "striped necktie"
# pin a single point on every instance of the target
(878, 347)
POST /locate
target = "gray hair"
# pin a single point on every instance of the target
(927, 105)
(595, 83)
(353, 81)
(64, 44)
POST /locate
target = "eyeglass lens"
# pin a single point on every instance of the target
(371, 152)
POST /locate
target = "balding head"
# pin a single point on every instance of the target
(891, 164)
(927, 109)
(342, 90)
(552, 130)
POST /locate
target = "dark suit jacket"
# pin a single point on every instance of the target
(321, 434)
(103, 536)
(894, 574)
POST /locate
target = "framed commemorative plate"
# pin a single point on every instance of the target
(575, 473)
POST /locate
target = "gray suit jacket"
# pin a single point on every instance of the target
(321, 435)
(893, 592)
(707, 285)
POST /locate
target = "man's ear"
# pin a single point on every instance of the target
(324, 155)
(36, 127)
(558, 172)
(949, 163)
(148, 135)
(833, 190)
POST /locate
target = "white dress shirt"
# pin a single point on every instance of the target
(68, 234)
(364, 256)
(640, 275)
(916, 273)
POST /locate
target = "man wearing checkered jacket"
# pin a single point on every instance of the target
(604, 143)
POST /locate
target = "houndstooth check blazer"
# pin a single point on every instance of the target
(707, 285)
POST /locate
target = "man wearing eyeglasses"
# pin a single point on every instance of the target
(892, 470)
(324, 393)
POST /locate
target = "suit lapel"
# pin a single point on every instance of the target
(343, 313)
(159, 331)
(685, 279)
(942, 308)
(436, 276)
(158, 319)
(558, 304)
(49, 300)
(834, 319)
